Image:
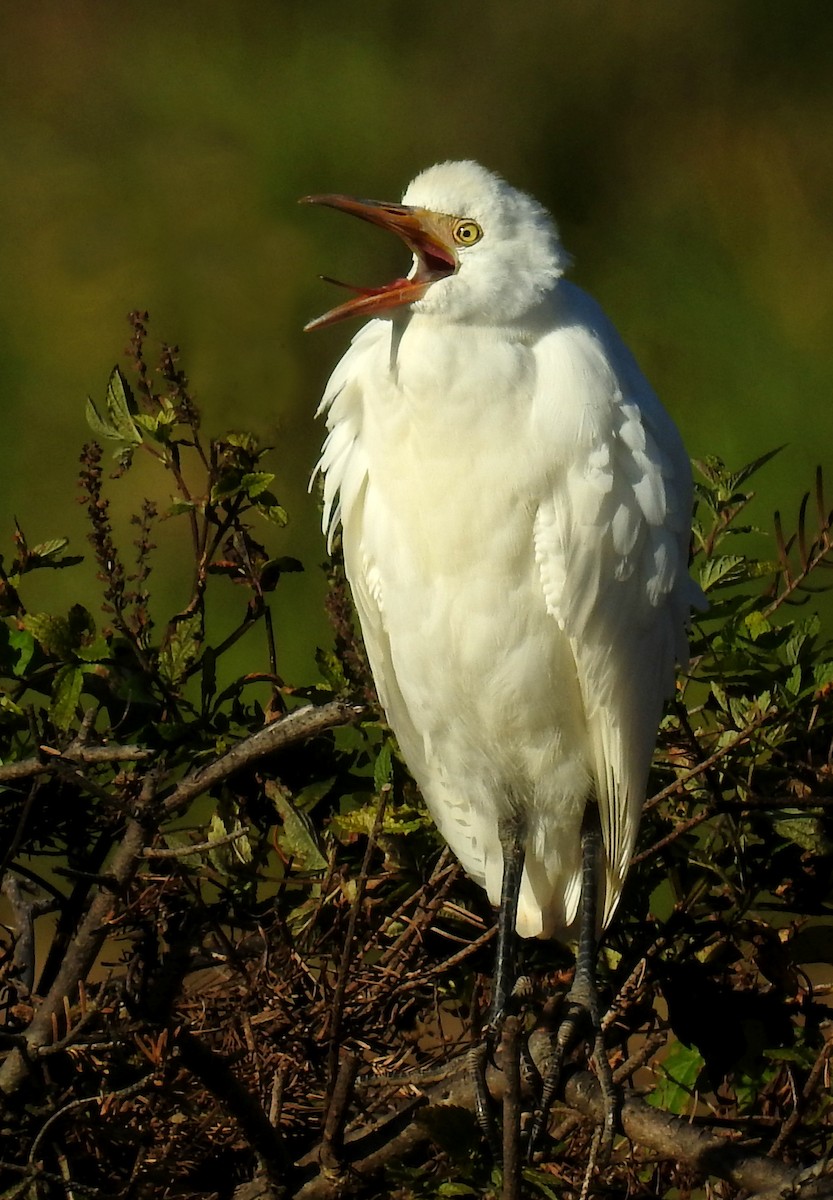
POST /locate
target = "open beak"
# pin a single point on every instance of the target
(427, 235)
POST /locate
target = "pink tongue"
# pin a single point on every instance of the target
(365, 291)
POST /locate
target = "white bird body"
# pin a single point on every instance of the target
(515, 506)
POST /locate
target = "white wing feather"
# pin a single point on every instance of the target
(611, 541)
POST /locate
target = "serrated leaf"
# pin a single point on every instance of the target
(66, 692)
(737, 478)
(225, 823)
(451, 1126)
(52, 633)
(180, 506)
(24, 642)
(361, 821)
(8, 706)
(226, 486)
(298, 837)
(96, 651)
(722, 570)
(275, 513)
(756, 625)
(49, 549)
(256, 482)
(271, 571)
(793, 681)
(181, 648)
(179, 841)
(157, 425)
(680, 1069)
(383, 767)
(118, 425)
(805, 830)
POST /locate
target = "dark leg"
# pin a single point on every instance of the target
(512, 843)
(583, 998)
(512, 833)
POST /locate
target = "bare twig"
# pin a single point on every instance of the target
(337, 1007)
(512, 1156)
(79, 754)
(297, 726)
(332, 1141)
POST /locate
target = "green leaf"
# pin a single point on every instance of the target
(24, 643)
(805, 830)
(118, 425)
(793, 681)
(271, 571)
(179, 841)
(157, 425)
(739, 477)
(66, 692)
(178, 506)
(52, 633)
(383, 767)
(721, 571)
(360, 821)
(255, 482)
(8, 707)
(756, 625)
(181, 648)
(298, 837)
(226, 857)
(272, 511)
(49, 549)
(227, 486)
(822, 673)
(681, 1069)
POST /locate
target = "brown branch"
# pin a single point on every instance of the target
(512, 1149)
(85, 755)
(195, 847)
(139, 830)
(670, 1137)
(297, 726)
(675, 1139)
(85, 945)
(215, 1073)
(707, 763)
(332, 1141)
(336, 1014)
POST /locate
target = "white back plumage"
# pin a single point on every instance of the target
(515, 506)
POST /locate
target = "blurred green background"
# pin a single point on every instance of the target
(151, 156)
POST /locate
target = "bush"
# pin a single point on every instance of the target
(223, 897)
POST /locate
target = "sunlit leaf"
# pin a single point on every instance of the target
(680, 1071)
(66, 692)
(118, 424)
(298, 837)
(256, 482)
(181, 648)
(805, 830)
(722, 571)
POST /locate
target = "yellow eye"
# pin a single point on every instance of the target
(466, 233)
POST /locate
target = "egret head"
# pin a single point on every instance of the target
(483, 251)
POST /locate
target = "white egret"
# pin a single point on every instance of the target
(515, 509)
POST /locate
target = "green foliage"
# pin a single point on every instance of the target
(275, 906)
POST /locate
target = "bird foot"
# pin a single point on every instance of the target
(580, 1018)
(485, 1054)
